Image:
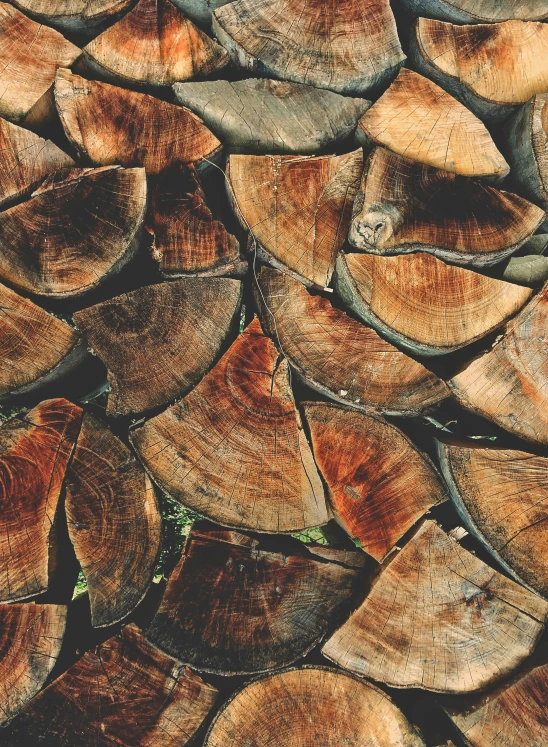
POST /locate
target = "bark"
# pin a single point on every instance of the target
(200, 11)
(270, 116)
(349, 48)
(531, 271)
(340, 357)
(78, 229)
(439, 619)
(74, 16)
(159, 341)
(234, 449)
(298, 209)
(108, 125)
(418, 119)
(478, 11)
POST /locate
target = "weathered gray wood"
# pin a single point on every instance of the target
(478, 11)
(200, 11)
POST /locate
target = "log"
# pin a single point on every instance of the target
(501, 496)
(349, 48)
(423, 305)
(154, 45)
(404, 206)
(159, 341)
(35, 449)
(531, 271)
(478, 11)
(419, 120)
(379, 483)
(74, 16)
(113, 522)
(490, 68)
(274, 606)
(30, 55)
(340, 357)
(200, 11)
(440, 619)
(186, 239)
(308, 707)
(271, 116)
(107, 125)
(234, 449)
(298, 209)
(30, 640)
(124, 692)
(508, 383)
(81, 227)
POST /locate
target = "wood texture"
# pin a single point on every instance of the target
(422, 304)
(259, 115)
(339, 356)
(34, 452)
(438, 618)
(108, 125)
(297, 208)
(75, 16)
(200, 11)
(159, 341)
(478, 11)
(124, 692)
(404, 206)
(419, 120)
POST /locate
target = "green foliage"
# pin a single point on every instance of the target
(81, 585)
(311, 535)
(7, 412)
(176, 523)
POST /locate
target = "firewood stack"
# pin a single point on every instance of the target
(279, 265)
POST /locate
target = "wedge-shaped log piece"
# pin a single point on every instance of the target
(404, 206)
(125, 692)
(339, 356)
(308, 707)
(348, 48)
(379, 483)
(76, 16)
(490, 68)
(36, 348)
(438, 618)
(234, 449)
(30, 55)
(424, 305)
(419, 120)
(79, 228)
(30, 641)
(34, 452)
(160, 340)
(502, 496)
(479, 11)
(297, 208)
(154, 45)
(271, 116)
(200, 11)
(108, 125)
(508, 383)
(187, 240)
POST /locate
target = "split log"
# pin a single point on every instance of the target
(200, 11)
(309, 707)
(159, 341)
(438, 618)
(187, 240)
(404, 206)
(478, 11)
(124, 692)
(418, 119)
(74, 16)
(30, 55)
(113, 522)
(501, 496)
(379, 483)
(108, 125)
(508, 383)
(30, 641)
(81, 227)
(340, 357)
(531, 271)
(422, 304)
(154, 45)
(490, 68)
(35, 449)
(298, 209)
(349, 48)
(233, 607)
(271, 116)
(234, 449)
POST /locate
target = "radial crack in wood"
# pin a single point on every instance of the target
(478, 11)
(74, 16)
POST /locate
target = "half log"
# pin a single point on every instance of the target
(74, 16)
(438, 618)
(340, 357)
(478, 11)
(234, 449)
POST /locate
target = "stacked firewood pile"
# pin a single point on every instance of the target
(283, 263)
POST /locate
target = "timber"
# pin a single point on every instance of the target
(478, 11)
